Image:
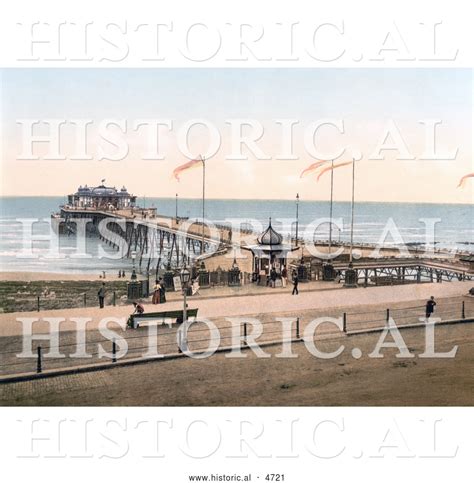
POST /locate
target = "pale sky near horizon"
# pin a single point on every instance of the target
(365, 99)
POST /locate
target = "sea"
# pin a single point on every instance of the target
(393, 223)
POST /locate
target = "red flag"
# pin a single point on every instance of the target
(463, 180)
(194, 163)
(312, 167)
(329, 168)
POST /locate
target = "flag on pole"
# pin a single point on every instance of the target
(463, 180)
(102, 180)
(312, 167)
(329, 168)
(194, 163)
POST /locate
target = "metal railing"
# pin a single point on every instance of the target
(47, 302)
(97, 349)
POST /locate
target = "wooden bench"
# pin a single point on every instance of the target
(155, 318)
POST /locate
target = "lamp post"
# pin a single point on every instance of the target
(134, 273)
(328, 268)
(352, 212)
(234, 274)
(185, 275)
(176, 207)
(134, 287)
(351, 274)
(297, 220)
(203, 199)
(148, 280)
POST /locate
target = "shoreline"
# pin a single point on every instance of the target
(28, 276)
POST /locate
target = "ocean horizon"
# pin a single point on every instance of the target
(454, 230)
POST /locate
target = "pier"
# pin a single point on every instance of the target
(162, 241)
(157, 241)
(400, 271)
(143, 233)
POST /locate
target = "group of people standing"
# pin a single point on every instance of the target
(274, 275)
(158, 297)
(284, 279)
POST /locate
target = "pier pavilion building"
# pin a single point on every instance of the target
(101, 197)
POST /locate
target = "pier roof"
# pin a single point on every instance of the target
(102, 190)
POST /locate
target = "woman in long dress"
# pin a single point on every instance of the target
(156, 293)
(284, 277)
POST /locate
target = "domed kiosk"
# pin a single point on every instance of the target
(269, 256)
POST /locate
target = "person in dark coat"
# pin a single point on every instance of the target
(295, 284)
(430, 305)
(101, 295)
(273, 277)
(162, 291)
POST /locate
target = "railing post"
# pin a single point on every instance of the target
(463, 311)
(85, 299)
(297, 327)
(38, 302)
(179, 336)
(114, 298)
(344, 323)
(114, 351)
(39, 367)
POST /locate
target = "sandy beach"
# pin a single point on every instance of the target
(50, 276)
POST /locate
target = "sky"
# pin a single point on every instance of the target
(367, 101)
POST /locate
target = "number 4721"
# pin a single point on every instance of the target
(274, 477)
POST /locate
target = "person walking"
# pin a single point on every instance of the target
(284, 276)
(295, 284)
(430, 305)
(101, 295)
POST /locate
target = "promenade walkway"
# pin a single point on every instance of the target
(269, 302)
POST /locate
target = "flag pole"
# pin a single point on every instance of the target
(203, 199)
(352, 211)
(297, 217)
(330, 208)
